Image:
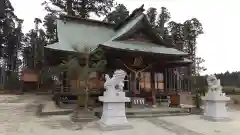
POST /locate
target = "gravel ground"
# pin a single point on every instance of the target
(204, 127)
(17, 117)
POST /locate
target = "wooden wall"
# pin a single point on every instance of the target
(96, 82)
(28, 75)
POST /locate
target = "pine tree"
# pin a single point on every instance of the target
(119, 14)
(152, 16)
(81, 8)
(10, 41)
(163, 18)
(50, 26)
(33, 52)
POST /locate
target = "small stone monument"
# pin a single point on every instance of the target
(114, 113)
(215, 101)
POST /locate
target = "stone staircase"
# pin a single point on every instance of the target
(151, 112)
(156, 112)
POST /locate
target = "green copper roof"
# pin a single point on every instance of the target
(60, 46)
(125, 45)
(74, 35)
(143, 47)
(127, 27)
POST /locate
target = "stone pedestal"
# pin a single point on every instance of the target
(82, 115)
(114, 113)
(215, 106)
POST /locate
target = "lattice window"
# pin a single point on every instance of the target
(145, 81)
(93, 75)
(159, 81)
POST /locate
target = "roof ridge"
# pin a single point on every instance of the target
(131, 25)
(123, 30)
(134, 14)
(66, 17)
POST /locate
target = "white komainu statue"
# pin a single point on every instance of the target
(214, 83)
(116, 82)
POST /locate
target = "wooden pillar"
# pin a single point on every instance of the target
(61, 85)
(130, 89)
(154, 102)
(190, 86)
(170, 80)
(133, 84)
(165, 80)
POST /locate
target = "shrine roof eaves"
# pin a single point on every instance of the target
(143, 47)
(184, 60)
(60, 47)
(72, 34)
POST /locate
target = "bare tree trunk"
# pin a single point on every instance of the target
(70, 8)
(2, 77)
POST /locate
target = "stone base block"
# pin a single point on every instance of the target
(216, 119)
(105, 127)
(83, 116)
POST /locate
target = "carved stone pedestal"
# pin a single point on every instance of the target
(114, 113)
(215, 106)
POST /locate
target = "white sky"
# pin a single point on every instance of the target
(220, 19)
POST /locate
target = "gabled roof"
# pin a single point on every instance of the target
(133, 14)
(136, 21)
(133, 25)
(74, 32)
(126, 28)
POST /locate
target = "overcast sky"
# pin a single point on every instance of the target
(218, 45)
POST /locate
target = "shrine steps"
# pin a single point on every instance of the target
(160, 114)
(150, 112)
(49, 108)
